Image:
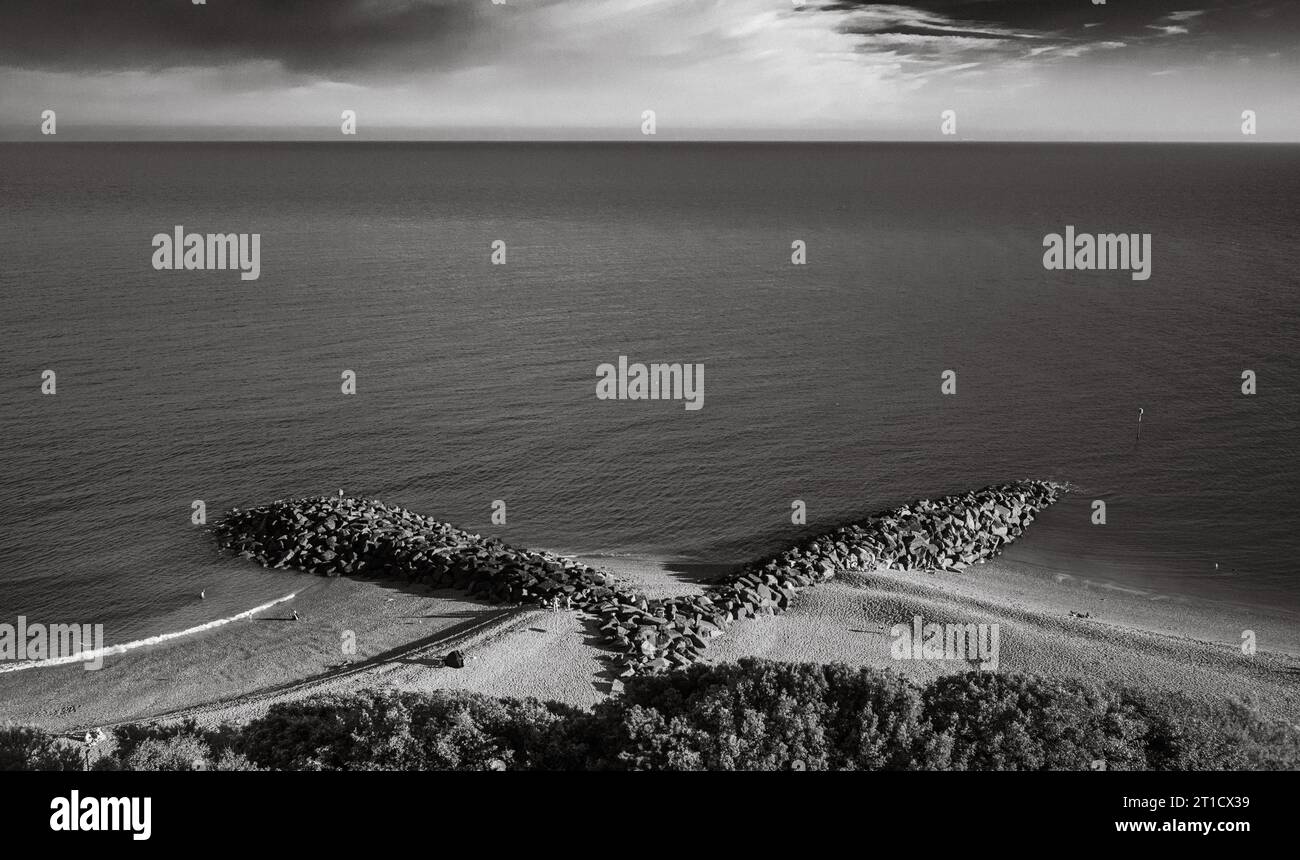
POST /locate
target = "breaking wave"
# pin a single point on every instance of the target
(110, 650)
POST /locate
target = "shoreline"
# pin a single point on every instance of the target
(234, 673)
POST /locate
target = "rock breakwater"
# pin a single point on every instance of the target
(336, 536)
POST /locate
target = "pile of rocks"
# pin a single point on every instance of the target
(333, 536)
(337, 536)
(951, 533)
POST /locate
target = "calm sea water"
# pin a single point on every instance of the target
(477, 382)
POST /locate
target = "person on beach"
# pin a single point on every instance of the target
(296, 616)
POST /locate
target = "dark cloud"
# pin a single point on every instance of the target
(923, 30)
(315, 36)
(1264, 24)
(1151, 33)
(350, 38)
(1061, 14)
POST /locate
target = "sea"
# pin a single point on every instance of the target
(476, 382)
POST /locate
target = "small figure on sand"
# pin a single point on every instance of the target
(203, 594)
(296, 616)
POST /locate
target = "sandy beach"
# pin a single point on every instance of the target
(234, 673)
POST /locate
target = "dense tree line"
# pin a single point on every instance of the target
(751, 715)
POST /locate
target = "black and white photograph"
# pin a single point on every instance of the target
(580, 386)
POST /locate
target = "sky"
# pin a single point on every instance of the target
(709, 69)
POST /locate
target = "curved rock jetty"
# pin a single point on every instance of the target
(951, 533)
(335, 536)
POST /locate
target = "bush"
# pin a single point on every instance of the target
(408, 731)
(27, 748)
(171, 746)
(751, 715)
(1184, 735)
(1024, 722)
(179, 752)
(760, 715)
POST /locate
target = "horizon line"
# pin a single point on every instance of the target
(663, 142)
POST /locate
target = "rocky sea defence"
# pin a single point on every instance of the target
(338, 536)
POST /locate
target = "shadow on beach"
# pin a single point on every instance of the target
(698, 573)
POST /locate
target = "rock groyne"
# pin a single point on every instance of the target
(337, 536)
